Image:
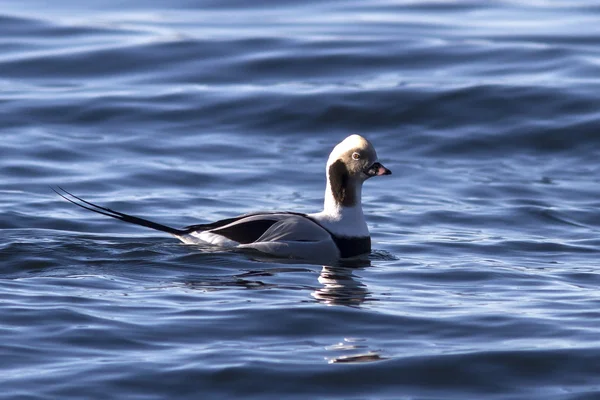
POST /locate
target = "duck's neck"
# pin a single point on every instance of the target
(336, 205)
(340, 219)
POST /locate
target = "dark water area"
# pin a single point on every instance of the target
(483, 281)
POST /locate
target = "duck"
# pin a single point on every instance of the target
(337, 232)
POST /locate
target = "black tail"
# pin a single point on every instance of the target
(115, 214)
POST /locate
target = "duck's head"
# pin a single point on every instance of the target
(352, 161)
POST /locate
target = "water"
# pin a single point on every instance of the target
(484, 278)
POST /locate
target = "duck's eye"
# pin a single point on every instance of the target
(355, 156)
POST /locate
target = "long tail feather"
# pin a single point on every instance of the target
(114, 214)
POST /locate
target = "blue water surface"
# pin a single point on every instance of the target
(484, 278)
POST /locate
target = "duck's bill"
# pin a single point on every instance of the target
(377, 170)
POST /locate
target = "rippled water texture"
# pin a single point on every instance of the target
(484, 278)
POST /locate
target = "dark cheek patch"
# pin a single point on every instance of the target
(339, 181)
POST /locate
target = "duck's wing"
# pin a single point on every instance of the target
(296, 236)
(259, 227)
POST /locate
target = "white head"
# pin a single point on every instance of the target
(351, 162)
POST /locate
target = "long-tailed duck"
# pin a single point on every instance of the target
(339, 231)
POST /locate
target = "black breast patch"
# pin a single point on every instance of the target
(352, 246)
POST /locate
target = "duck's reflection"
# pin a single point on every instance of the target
(341, 286)
(338, 284)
